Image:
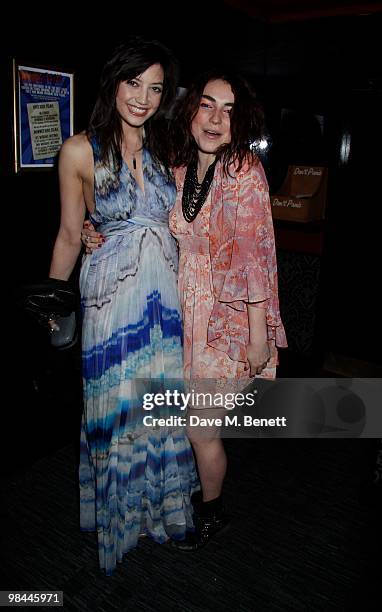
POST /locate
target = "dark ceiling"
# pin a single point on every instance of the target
(286, 10)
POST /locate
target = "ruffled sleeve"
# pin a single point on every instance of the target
(252, 273)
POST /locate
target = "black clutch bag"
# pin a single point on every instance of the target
(65, 334)
(52, 299)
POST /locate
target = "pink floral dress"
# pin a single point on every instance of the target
(196, 291)
(196, 298)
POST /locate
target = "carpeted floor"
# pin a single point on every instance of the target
(304, 527)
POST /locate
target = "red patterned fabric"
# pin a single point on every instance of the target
(242, 257)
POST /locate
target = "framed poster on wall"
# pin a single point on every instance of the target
(43, 115)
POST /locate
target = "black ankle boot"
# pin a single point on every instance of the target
(209, 520)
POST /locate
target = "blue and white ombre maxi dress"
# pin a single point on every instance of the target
(133, 479)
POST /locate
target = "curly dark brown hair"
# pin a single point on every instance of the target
(247, 122)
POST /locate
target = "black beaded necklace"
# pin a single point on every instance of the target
(195, 193)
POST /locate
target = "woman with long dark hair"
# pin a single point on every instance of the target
(134, 479)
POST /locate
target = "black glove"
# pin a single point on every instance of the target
(48, 299)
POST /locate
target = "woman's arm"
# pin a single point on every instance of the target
(72, 171)
(260, 243)
(90, 238)
(258, 352)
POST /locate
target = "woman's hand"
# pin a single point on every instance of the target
(258, 355)
(90, 238)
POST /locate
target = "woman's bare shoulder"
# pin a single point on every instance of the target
(77, 151)
(77, 144)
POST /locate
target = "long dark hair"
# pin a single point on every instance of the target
(128, 61)
(247, 122)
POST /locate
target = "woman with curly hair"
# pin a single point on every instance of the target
(227, 268)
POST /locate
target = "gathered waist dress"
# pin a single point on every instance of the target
(134, 479)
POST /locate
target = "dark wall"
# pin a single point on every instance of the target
(328, 67)
(331, 68)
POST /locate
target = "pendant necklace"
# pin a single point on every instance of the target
(133, 157)
(195, 193)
